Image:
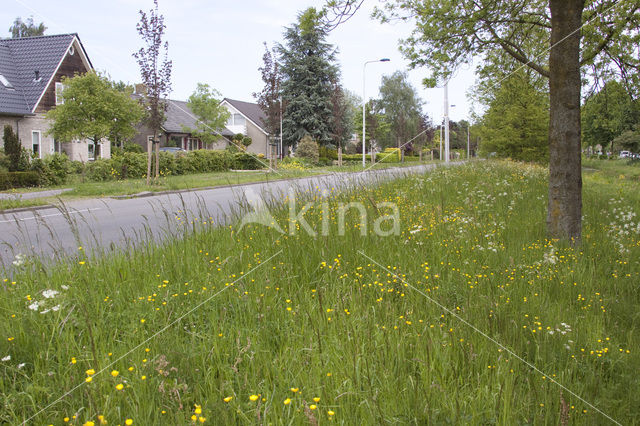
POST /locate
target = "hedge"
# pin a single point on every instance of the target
(11, 180)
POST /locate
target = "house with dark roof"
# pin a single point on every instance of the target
(249, 119)
(245, 117)
(31, 72)
(175, 130)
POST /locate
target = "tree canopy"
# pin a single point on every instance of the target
(26, 28)
(608, 113)
(308, 70)
(516, 124)
(93, 109)
(555, 38)
(212, 117)
(400, 104)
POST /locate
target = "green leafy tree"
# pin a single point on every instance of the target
(607, 114)
(400, 104)
(211, 115)
(93, 109)
(18, 160)
(449, 33)
(628, 140)
(26, 28)
(516, 124)
(308, 71)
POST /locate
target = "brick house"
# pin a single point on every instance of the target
(31, 71)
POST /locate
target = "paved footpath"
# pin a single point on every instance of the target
(105, 224)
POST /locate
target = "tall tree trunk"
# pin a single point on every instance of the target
(149, 148)
(564, 216)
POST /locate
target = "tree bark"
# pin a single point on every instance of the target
(564, 216)
(149, 147)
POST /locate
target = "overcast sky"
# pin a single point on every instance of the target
(220, 43)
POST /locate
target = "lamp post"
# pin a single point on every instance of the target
(364, 116)
(281, 153)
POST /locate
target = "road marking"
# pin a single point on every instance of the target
(48, 215)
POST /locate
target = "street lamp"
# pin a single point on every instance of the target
(364, 103)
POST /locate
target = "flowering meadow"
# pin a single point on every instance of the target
(469, 315)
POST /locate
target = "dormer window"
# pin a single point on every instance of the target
(5, 82)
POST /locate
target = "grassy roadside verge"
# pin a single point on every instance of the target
(213, 326)
(175, 183)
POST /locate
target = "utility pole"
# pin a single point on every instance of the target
(440, 157)
(446, 121)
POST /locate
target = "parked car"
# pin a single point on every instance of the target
(625, 154)
(172, 149)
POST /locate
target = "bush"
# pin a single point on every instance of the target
(11, 180)
(246, 161)
(130, 165)
(18, 157)
(4, 162)
(54, 169)
(328, 153)
(389, 155)
(101, 170)
(293, 163)
(132, 147)
(308, 149)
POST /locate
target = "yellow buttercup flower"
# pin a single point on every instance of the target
(253, 398)
(287, 401)
(227, 399)
(115, 373)
(119, 386)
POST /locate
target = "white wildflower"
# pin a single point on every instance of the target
(34, 306)
(6, 358)
(48, 294)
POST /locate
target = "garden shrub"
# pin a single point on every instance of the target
(4, 161)
(246, 161)
(101, 171)
(11, 180)
(308, 149)
(293, 163)
(328, 153)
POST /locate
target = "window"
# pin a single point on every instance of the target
(192, 144)
(238, 120)
(59, 90)
(35, 142)
(57, 148)
(5, 82)
(91, 150)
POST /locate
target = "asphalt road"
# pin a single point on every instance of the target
(106, 224)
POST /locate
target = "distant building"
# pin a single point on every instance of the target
(249, 119)
(31, 72)
(175, 130)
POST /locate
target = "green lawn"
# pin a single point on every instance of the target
(469, 315)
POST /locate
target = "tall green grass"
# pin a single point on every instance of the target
(199, 325)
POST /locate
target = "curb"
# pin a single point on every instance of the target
(27, 209)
